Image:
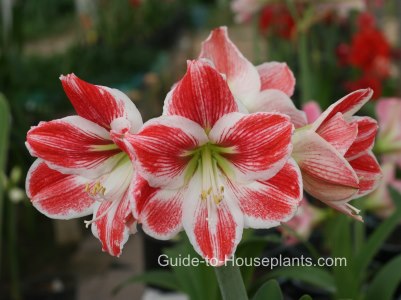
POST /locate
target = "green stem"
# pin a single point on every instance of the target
(12, 252)
(359, 236)
(230, 282)
(304, 71)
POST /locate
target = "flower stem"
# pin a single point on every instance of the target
(305, 74)
(230, 282)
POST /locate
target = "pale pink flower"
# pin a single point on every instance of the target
(388, 111)
(335, 154)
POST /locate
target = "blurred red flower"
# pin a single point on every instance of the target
(277, 19)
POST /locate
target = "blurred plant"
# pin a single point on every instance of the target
(300, 227)
(388, 111)
(5, 122)
(370, 53)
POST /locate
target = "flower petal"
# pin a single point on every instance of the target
(114, 223)
(369, 173)
(161, 216)
(202, 95)
(162, 147)
(388, 112)
(267, 203)
(326, 174)
(346, 209)
(347, 105)
(312, 110)
(277, 101)
(100, 104)
(74, 145)
(242, 76)
(275, 75)
(57, 195)
(213, 229)
(367, 128)
(339, 133)
(259, 144)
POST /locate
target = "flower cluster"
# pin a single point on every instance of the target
(369, 52)
(231, 151)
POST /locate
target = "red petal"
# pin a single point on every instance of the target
(369, 173)
(323, 168)
(202, 96)
(161, 217)
(242, 76)
(74, 145)
(260, 143)
(267, 203)
(275, 75)
(161, 149)
(100, 104)
(339, 133)
(213, 229)
(367, 128)
(277, 101)
(114, 227)
(347, 105)
(57, 195)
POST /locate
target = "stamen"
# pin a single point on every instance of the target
(97, 191)
(211, 190)
(353, 210)
(87, 223)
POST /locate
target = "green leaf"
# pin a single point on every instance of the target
(5, 119)
(306, 297)
(270, 290)
(373, 244)
(312, 275)
(198, 282)
(386, 281)
(250, 248)
(341, 246)
(161, 278)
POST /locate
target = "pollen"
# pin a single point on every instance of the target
(95, 190)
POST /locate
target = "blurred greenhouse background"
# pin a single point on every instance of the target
(141, 47)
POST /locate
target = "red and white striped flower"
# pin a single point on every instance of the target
(335, 154)
(81, 169)
(267, 87)
(212, 170)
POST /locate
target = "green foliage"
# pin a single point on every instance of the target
(385, 283)
(5, 119)
(315, 276)
(197, 282)
(270, 290)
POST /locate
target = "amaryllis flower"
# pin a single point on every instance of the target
(80, 170)
(267, 87)
(334, 154)
(276, 19)
(388, 111)
(212, 170)
(370, 50)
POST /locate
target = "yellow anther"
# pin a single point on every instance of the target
(96, 189)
